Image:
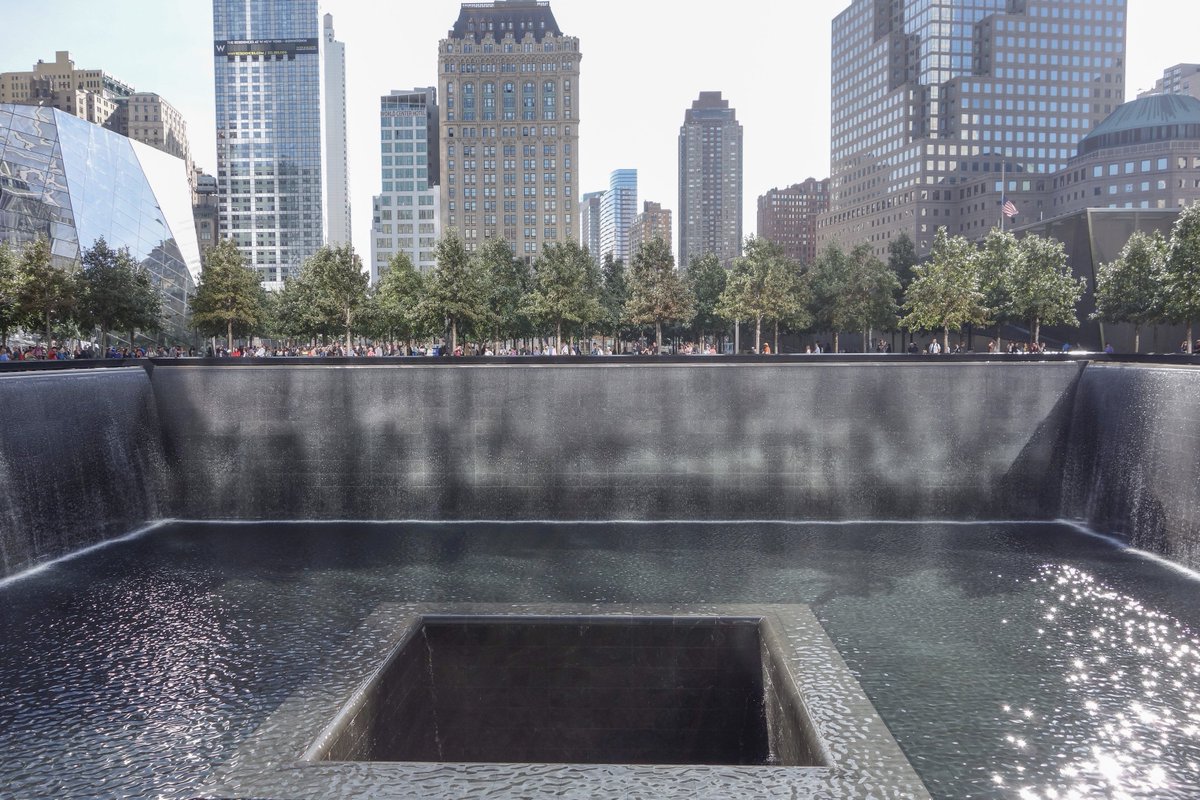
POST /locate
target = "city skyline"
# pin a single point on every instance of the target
(786, 142)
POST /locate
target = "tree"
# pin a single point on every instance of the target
(229, 294)
(1183, 271)
(507, 280)
(394, 303)
(11, 280)
(564, 288)
(829, 279)
(902, 257)
(764, 284)
(870, 293)
(145, 304)
(1130, 289)
(614, 295)
(455, 293)
(1043, 289)
(106, 289)
(48, 295)
(338, 287)
(656, 292)
(706, 279)
(946, 290)
(996, 262)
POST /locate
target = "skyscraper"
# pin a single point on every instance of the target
(653, 223)
(1179, 79)
(931, 94)
(337, 185)
(267, 58)
(406, 211)
(788, 217)
(710, 181)
(509, 126)
(589, 224)
(618, 209)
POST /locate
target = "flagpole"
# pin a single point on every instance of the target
(1003, 190)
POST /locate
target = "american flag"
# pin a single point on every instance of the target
(1009, 209)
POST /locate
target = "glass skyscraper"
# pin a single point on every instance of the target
(618, 210)
(267, 56)
(928, 95)
(406, 212)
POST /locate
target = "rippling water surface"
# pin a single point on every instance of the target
(1010, 661)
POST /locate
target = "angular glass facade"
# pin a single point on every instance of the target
(267, 58)
(73, 182)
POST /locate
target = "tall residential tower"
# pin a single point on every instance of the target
(710, 181)
(337, 183)
(509, 80)
(406, 211)
(267, 57)
(931, 94)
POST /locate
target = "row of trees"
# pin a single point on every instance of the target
(112, 293)
(491, 295)
(1155, 280)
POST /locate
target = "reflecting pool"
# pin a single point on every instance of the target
(1009, 661)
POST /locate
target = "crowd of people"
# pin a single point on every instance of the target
(85, 350)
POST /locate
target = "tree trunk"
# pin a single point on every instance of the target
(1037, 330)
(48, 329)
(1137, 338)
(737, 337)
(1191, 341)
(453, 335)
(558, 337)
(758, 342)
(946, 340)
(658, 337)
(776, 337)
(229, 335)
(349, 321)
(837, 342)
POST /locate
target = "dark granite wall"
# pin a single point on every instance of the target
(1134, 458)
(909, 440)
(80, 462)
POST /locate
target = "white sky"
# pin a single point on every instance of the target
(643, 64)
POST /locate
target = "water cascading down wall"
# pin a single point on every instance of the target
(88, 455)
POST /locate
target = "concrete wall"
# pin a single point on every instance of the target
(80, 461)
(1134, 457)
(705, 440)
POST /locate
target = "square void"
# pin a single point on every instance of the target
(579, 690)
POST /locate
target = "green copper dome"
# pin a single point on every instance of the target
(1157, 118)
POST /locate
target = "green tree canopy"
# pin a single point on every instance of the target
(870, 292)
(108, 297)
(47, 295)
(565, 287)
(1131, 288)
(11, 278)
(614, 295)
(902, 257)
(337, 288)
(1042, 288)
(657, 293)
(393, 307)
(507, 280)
(946, 292)
(764, 284)
(996, 262)
(1183, 271)
(455, 294)
(229, 295)
(706, 279)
